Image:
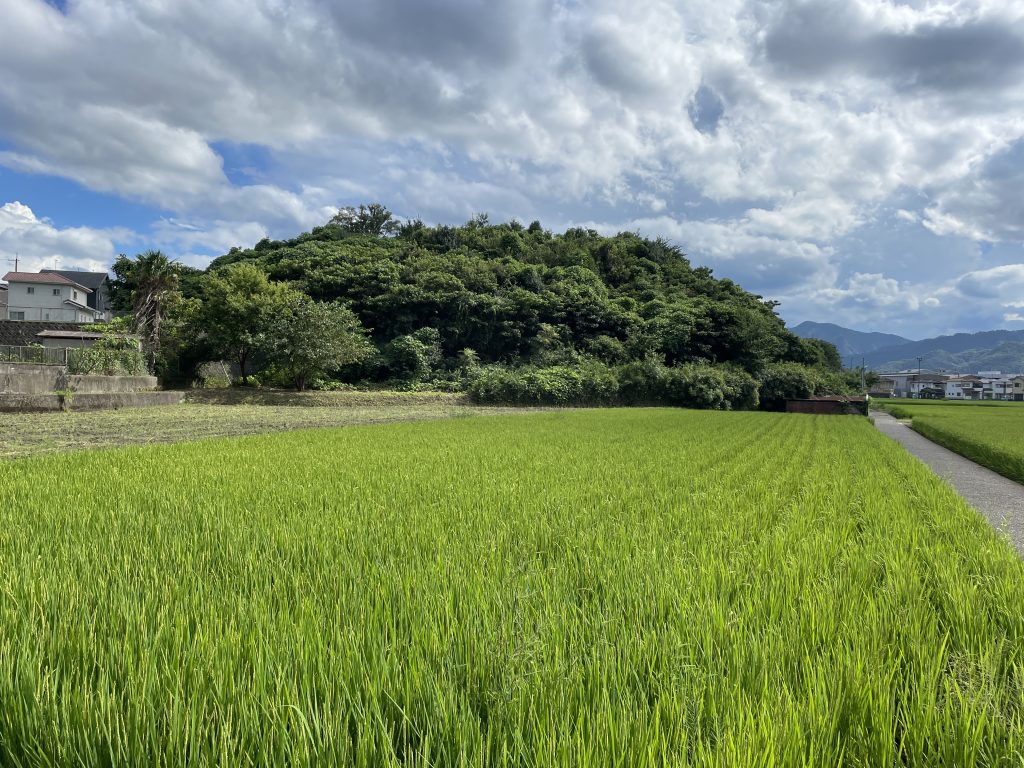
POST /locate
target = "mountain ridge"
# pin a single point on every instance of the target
(1000, 350)
(848, 341)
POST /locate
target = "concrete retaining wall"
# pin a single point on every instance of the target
(105, 384)
(29, 379)
(87, 401)
(26, 378)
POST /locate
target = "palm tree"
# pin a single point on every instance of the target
(154, 279)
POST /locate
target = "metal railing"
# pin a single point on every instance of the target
(34, 355)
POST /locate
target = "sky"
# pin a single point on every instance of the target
(859, 161)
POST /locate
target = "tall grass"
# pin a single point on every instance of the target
(993, 437)
(633, 588)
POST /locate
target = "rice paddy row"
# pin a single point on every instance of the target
(990, 433)
(627, 587)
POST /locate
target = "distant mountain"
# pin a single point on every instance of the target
(963, 352)
(847, 341)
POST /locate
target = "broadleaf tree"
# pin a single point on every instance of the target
(241, 312)
(313, 338)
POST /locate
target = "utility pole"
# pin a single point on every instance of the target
(863, 384)
(919, 376)
(13, 261)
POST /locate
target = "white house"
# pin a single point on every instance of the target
(1017, 382)
(963, 388)
(914, 384)
(48, 296)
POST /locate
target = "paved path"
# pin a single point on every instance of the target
(999, 499)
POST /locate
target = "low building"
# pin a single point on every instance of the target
(829, 405)
(1017, 383)
(47, 296)
(96, 282)
(25, 333)
(883, 388)
(3, 301)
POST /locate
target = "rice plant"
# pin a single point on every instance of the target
(990, 433)
(637, 588)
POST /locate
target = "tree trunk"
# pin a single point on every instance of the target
(243, 359)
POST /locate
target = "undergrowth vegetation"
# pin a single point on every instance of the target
(648, 587)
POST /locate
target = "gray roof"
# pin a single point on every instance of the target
(91, 280)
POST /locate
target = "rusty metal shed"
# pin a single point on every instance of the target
(830, 405)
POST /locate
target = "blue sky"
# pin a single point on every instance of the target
(860, 161)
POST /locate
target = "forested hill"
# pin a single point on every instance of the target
(522, 295)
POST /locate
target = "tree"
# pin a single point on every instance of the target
(148, 286)
(312, 338)
(373, 219)
(240, 312)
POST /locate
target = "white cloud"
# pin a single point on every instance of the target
(1004, 284)
(38, 244)
(756, 134)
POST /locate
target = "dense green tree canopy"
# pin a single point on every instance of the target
(515, 295)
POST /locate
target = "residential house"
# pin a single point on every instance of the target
(998, 385)
(96, 282)
(964, 388)
(1017, 383)
(48, 296)
(3, 301)
(928, 386)
(915, 384)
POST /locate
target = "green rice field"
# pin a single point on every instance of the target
(645, 587)
(990, 433)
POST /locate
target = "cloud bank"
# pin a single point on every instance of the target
(858, 160)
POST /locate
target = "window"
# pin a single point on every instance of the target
(56, 291)
(74, 295)
(30, 289)
(17, 315)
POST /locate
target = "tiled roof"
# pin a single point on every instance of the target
(47, 278)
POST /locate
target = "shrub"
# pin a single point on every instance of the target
(109, 356)
(784, 381)
(740, 389)
(643, 382)
(591, 383)
(696, 385)
(214, 375)
(414, 356)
